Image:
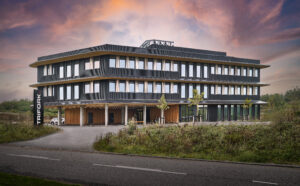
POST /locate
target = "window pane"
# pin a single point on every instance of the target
(226, 71)
(212, 69)
(150, 87)
(112, 86)
(198, 87)
(245, 91)
(45, 92)
(191, 70)
(198, 71)
(183, 91)
(112, 63)
(122, 87)
(256, 73)
(244, 71)
(87, 88)
(141, 64)
(96, 87)
(175, 88)
(182, 70)
(61, 72)
(122, 63)
(158, 65)
(250, 72)
(150, 65)
(250, 91)
(131, 64)
(219, 89)
(69, 71)
(238, 72)
(225, 90)
(232, 71)
(76, 92)
(141, 87)
(205, 91)
(219, 70)
(61, 93)
(212, 89)
(131, 87)
(69, 92)
(190, 91)
(87, 65)
(232, 90)
(76, 70)
(45, 70)
(205, 72)
(49, 91)
(167, 88)
(239, 90)
(158, 87)
(97, 64)
(167, 66)
(175, 67)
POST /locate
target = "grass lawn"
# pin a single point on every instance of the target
(245, 143)
(20, 132)
(16, 180)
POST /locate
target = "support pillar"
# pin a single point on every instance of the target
(242, 113)
(229, 112)
(59, 116)
(106, 114)
(258, 112)
(235, 113)
(126, 114)
(145, 114)
(222, 112)
(81, 116)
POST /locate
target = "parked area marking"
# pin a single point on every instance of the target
(140, 168)
(264, 182)
(34, 157)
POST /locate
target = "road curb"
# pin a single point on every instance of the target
(149, 156)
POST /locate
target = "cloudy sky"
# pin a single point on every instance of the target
(268, 30)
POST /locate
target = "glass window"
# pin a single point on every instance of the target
(122, 86)
(150, 65)
(191, 70)
(87, 65)
(49, 91)
(53, 70)
(141, 64)
(112, 86)
(112, 63)
(131, 86)
(61, 93)
(69, 71)
(225, 90)
(158, 87)
(238, 71)
(226, 71)
(158, 65)
(232, 90)
(232, 71)
(49, 69)
(244, 71)
(219, 70)
(250, 72)
(45, 92)
(76, 91)
(212, 89)
(150, 87)
(45, 70)
(205, 91)
(141, 87)
(87, 88)
(131, 64)
(175, 67)
(238, 90)
(250, 91)
(191, 91)
(96, 87)
(182, 90)
(122, 63)
(182, 70)
(175, 88)
(198, 87)
(198, 71)
(256, 73)
(212, 69)
(167, 88)
(53, 91)
(61, 72)
(245, 91)
(97, 64)
(167, 66)
(219, 90)
(76, 70)
(69, 92)
(256, 91)
(205, 71)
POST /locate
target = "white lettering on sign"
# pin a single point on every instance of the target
(38, 106)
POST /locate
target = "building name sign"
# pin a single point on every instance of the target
(38, 107)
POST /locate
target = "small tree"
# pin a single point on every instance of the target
(163, 105)
(247, 104)
(197, 98)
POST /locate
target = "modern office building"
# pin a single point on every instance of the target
(110, 84)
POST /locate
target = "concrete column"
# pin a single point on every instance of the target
(127, 86)
(106, 114)
(117, 86)
(172, 66)
(59, 116)
(126, 114)
(154, 64)
(122, 115)
(145, 114)
(146, 63)
(146, 86)
(91, 87)
(235, 113)
(91, 63)
(163, 65)
(81, 116)
(136, 63)
(117, 61)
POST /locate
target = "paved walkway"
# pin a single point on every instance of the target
(71, 138)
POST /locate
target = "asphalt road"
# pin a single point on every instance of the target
(107, 169)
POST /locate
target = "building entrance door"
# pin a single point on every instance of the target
(111, 118)
(90, 118)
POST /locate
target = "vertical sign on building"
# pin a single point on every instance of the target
(38, 107)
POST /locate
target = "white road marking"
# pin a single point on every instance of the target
(34, 157)
(264, 182)
(140, 168)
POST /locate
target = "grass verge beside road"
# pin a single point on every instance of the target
(16, 180)
(20, 132)
(275, 143)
